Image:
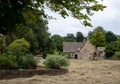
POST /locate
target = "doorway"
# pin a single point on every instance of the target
(76, 56)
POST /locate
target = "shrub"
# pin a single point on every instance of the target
(56, 62)
(116, 56)
(7, 63)
(27, 62)
(17, 57)
(66, 55)
(19, 46)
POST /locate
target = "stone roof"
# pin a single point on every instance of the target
(72, 46)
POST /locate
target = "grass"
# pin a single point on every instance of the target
(80, 72)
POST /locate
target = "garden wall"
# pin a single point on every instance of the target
(10, 74)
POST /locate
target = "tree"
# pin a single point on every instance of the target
(58, 42)
(98, 38)
(11, 12)
(116, 56)
(79, 37)
(110, 37)
(51, 47)
(70, 38)
(75, 8)
(113, 47)
(118, 43)
(35, 31)
(39, 27)
(91, 33)
(110, 49)
(41, 33)
(27, 33)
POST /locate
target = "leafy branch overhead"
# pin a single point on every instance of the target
(11, 12)
(80, 9)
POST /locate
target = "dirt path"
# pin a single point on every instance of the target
(80, 72)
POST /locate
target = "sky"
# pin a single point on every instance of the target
(108, 19)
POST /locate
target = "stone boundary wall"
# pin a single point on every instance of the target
(10, 74)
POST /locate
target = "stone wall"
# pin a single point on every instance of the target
(10, 74)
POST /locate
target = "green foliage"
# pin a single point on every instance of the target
(116, 56)
(38, 25)
(110, 37)
(27, 33)
(32, 26)
(91, 33)
(118, 43)
(12, 12)
(19, 46)
(76, 7)
(45, 54)
(40, 30)
(97, 37)
(67, 55)
(7, 62)
(17, 57)
(22, 19)
(70, 38)
(51, 48)
(79, 37)
(110, 49)
(58, 42)
(56, 62)
(26, 62)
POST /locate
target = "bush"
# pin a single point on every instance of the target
(19, 46)
(116, 56)
(17, 57)
(27, 62)
(56, 62)
(7, 63)
(66, 55)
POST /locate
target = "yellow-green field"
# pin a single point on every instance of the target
(80, 72)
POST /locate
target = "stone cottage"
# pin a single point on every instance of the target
(83, 50)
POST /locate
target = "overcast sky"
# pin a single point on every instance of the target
(109, 19)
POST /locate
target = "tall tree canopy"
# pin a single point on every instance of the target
(118, 44)
(91, 33)
(113, 47)
(58, 42)
(98, 37)
(35, 30)
(11, 12)
(110, 37)
(70, 38)
(79, 37)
